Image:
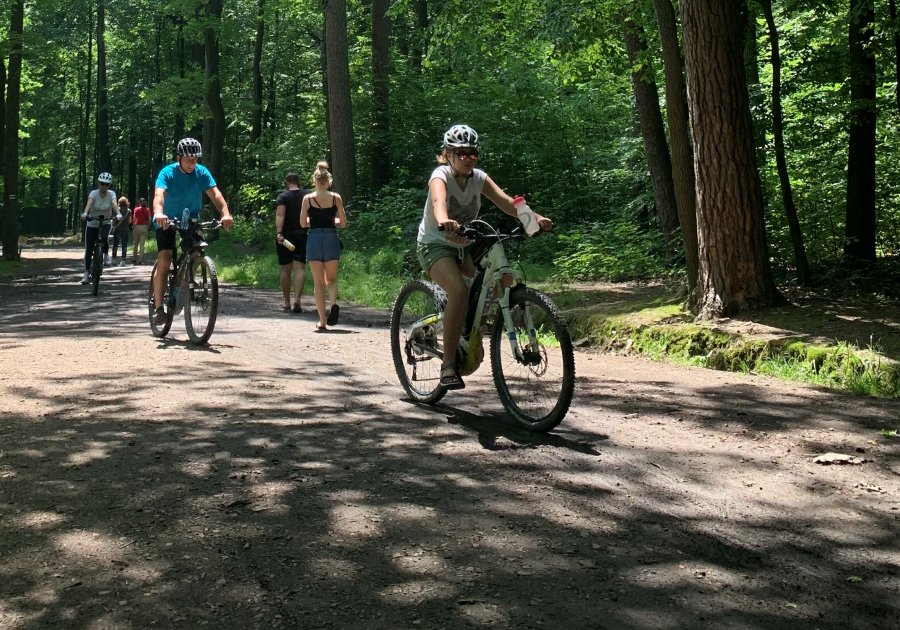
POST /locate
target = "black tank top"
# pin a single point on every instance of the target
(321, 218)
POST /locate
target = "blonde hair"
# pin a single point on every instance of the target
(322, 172)
(123, 199)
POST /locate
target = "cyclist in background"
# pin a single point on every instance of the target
(454, 198)
(180, 186)
(101, 202)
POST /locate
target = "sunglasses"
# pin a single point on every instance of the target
(466, 155)
(104, 184)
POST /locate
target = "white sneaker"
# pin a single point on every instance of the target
(106, 260)
(84, 278)
(122, 262)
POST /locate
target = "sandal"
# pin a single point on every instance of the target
(450, 378)
(321, 328)
(297, 308)
(333, 314)
(285, 309)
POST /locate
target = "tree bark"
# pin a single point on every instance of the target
(343, 158)
(860, 229)
(256, 72)
(104, 163)
(216, 141)
(381, 55)
(656, 148)
(803, 274)
(11, 133)
(734, 272)
(682, 155)
(2, 103)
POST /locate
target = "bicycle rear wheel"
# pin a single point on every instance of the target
(202, 306)
(417, 329)
(96, 269)
(161, 330)
(535, 387)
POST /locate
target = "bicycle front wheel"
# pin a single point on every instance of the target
(535, 371)
(96, 269)
(202, 306)
(161, 329)
(417, 332)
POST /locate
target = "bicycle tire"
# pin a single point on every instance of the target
(161, 330)
(202, 301)
(96, 269)
(536, 392)
(419, 372)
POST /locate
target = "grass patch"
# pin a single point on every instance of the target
(9, 267)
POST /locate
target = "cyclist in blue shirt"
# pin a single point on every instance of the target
(179, 187)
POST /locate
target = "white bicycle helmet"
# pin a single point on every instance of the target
(104, 178)
(188, 147)
(461, 136)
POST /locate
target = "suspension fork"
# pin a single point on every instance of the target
(511, 328)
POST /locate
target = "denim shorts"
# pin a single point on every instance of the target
(323, 245)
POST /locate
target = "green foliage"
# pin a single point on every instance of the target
(616, 250)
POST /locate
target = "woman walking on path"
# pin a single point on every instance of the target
(141, 224)
(121, 230)
(322, 212)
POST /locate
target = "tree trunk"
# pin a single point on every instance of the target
(216, 142)
(257, 90)
(860, 231)
(339, 103)
(656, 148)
(11, 133)
(734, 273)
(420, 35)
(679, 134)
(104, 163)
(803, 274)
(381, 55)
(2, 103)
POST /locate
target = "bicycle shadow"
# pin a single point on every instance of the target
(167, 343)
(496, 431)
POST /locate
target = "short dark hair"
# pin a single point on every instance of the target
(292, 178)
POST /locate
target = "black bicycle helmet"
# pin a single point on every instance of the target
(188, 147)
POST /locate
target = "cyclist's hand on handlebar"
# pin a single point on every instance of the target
(162, 221)
(227, 222)
(451, 229)
(545, 223)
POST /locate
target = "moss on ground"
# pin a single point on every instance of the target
(656, 327)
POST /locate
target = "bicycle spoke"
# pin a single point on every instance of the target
(416, 337)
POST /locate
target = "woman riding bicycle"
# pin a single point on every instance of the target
(101, 202)
(455, 188)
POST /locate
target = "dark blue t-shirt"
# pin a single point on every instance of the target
(184, 190)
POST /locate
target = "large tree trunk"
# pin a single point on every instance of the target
(104, 162)
(381, 55)
(803, 274)
(2, 102)
(339, 104)
(860, 232)
(679, 135)
(656, 149)
(257, 90)
(11, 133)
(216, 141)
(734, 272)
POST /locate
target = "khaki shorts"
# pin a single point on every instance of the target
(430, 253)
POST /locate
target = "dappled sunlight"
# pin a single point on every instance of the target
(93, 453)
(356, 521)
(420, 563)
(337, 569)
(86, 545)
(416, 592)
(37, 520)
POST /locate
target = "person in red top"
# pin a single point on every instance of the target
(141, 228)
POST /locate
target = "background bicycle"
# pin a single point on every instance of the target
(192, 286)
(97, 256)
(532, 360)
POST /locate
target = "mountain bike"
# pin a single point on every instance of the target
(192, 286)
(97, 261)
(531, 354)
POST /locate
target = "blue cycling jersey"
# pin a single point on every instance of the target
(184, 190)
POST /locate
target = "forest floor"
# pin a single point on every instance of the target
(278, 479)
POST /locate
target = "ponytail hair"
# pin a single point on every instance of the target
(322, 173)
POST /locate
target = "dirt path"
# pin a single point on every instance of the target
(277, 479)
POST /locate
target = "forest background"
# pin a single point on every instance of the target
(731, 145)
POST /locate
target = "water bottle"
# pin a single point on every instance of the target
(526, 216)
(290, 246)
(185, 218)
